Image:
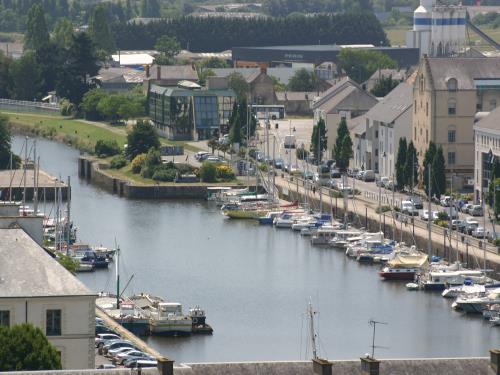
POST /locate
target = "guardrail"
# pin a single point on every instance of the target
(27, 106)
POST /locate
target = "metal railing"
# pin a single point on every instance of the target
(27, 106)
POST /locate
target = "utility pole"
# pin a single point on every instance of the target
(374, 324)
(313, 334)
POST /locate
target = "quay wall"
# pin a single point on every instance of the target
(361, 218)
(95, 172)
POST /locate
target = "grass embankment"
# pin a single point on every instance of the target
(75, 133)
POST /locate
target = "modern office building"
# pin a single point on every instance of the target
(188, 112)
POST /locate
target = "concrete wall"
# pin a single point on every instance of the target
(262, 90)
(33, 225)
(9, 209)
(76, 342)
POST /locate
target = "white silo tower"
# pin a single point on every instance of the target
(420, 36)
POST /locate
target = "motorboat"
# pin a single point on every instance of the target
(476, 304)
(404, 266)
(304, 222)
(324, 234)
(268, 219)
(438, 280)
(491, 311)
(344, 238)
(167, 318)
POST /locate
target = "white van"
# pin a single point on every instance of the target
(289, 141)
(408, 208)
(368, 176)
(200, 154)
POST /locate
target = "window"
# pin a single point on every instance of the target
(479, 107)
(427, 108)
(451, 136)
(451, 158)
(493, 104)
(376, 133)
(415, 106)
(415, 131)
(4, 318)
(376, 152)
(452, 84)
(426, 135)
(53, 323)
(452, 107)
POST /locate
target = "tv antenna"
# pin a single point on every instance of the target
(374, 324)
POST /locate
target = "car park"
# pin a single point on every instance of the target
(476, 210)
(102, 338)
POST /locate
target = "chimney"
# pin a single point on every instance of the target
(495, 361)
(370, 366)
(165, 366)
(146, 68)
(322, 366)
(263, 68)
(158, 72)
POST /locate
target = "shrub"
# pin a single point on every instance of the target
(302, 154)
(496, 242)
(224, 172)
(138, 162)
(441, 223)
(67, 108)
(443, 216)
(184, 168)
(147, 172)
(382, 209)
(153, 158)
(208, 172)
(104, 148)
(164, 174)
(118, 162)
(252, 153)
(263, 167)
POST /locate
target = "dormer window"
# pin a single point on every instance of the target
(452, 84)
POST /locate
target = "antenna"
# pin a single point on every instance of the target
(374, 324)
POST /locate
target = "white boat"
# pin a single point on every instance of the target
(440, 279)
(477, 304)
(456, 291)
(303, 223)
(345, 238)
(491, 311)
(323, 235)
(168, 319)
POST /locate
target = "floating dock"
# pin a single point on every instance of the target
(13, 183)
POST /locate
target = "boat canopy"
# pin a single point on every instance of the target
(417, 260)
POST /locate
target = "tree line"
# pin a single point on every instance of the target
(218, 33)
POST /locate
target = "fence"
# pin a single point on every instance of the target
(26, 106)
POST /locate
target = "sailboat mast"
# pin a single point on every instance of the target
(118, 277)
(24, 174)
(35, 180)
(429, 216)
(313, 334)
(68, 216)
(344, 181)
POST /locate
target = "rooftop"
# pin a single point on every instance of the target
(393, 104)
(22, 256)
(490, 121)
(181, 91)
(173, 72)
(127, 75)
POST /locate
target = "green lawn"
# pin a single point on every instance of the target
(73, 132)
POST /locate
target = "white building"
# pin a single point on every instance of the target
(486, 149)
(438, 29)
(36, 289)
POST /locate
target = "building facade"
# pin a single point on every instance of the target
(447, 93)
(36, 289)
(487, 151)
(190, 114)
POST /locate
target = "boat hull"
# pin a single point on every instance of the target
(245, 214)
(139, 327)
(403, 274)
(172, 328)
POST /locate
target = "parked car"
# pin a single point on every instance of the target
(99, 321)
(106, 366)
(335, 173)
(476, 210)
(353, 172)
(465, 208)
(214, 159)
(140, 363)
(116, 344)
(279, 163)
(407, 208)
(200, 154)
(417, 202)
(390, 185)
(424, 215)
(122, 357)
(102, 338)
(479, 232)
(101, 328)
(445, 201)
(120, 349)
(457, 224)
(294, 169)
(308, 175)
(382, 181)
(368, 176)
(470, 225)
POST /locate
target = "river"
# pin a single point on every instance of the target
(255, 282)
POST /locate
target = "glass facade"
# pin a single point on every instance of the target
(184, 114)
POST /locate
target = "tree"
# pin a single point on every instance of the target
(342, 150)
(168, 47)
(140, 139)
(90, 102)
(99, 30)
(494, 174)
(203, 75)
(303, 80)
(497, 198)
(5, 147)
(411, 166)
(208, 171)
(360, 64)
(37, 34)
(5, 76)
(438, 173)
(110, 105)
(213, 63)
(24, 347)
(235, 124)
(318, 140)
(384, 86)
(401, 171)
(237, 82)
(428, 159)
(26, 78)
(63, 32)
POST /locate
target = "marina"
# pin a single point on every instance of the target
(254, 282)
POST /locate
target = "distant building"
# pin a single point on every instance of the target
(133, 59)
(36, 289)
(396, 74)
(170, 75)
(118, 79)
(296, 103)
(190, 112)
(446, 96)
(487, 149)
(346, 99)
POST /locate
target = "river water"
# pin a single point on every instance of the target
(255, 282)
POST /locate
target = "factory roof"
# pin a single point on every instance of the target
(27, 270)
(465, 70)
(393, 104)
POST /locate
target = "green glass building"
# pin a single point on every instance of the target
(181, 113)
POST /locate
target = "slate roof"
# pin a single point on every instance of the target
(120, 75)
(393, 104)
(491, 121)
(173, 72)
(26, 270)
(464, 70)
(349, 98)
(335, 89)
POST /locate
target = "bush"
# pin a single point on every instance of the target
(263, 167)
(147, 172)
(443, 216)
(183, 168)
(138, 162)
(67, 108)
(441, 223)
(163, 174)
(153, 158)
(208, 172)
(141, 138)
(302, 154)
(104, 148)
(118, 162)
(224, 172)
(252, 153)
(382, 209)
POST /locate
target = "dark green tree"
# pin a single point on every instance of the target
(428, 159)
(360, 64)
(496, 205)
(5, 76)
(26, 78)
(303, 80)
(495, 173)
(236, 124)
(63, 33)
(384, 86)
(140, 139)
(237, 82)
(213, 63)
(37, 34)
(438, 173)
(99, 30)
(411, 165)
(319, 140)
(342, 149)
(24, 347)
(90, 102)
(208, 171)
(168, 47)
(5, 148)
(401, 171)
